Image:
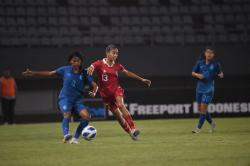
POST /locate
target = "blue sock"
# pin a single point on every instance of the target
(208, 117)
(201, 120)
(65, 126)
(81, 126)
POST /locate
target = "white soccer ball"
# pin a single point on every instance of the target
(89, 133)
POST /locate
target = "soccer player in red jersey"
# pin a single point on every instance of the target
(111, 91)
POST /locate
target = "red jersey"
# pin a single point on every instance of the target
(107, 76)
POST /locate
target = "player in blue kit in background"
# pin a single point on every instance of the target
(205, 70)
(71, 95)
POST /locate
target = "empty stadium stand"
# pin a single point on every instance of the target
(66, 23)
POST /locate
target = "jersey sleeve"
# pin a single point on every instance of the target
(88, 79)
(218, 68)
(60, 71)
(96, 64)
(196, 67)
(121, 67)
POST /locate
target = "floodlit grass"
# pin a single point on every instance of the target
(162, 142)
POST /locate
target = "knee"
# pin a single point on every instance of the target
(85, 115)
(117, 114)
(120, 105)
(203, 111)
(67, 114)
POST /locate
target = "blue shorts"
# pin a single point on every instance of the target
(66, 105)
(204, 97)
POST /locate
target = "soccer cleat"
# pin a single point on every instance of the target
(213, 125)
(135, 134)
(66, 138)
(196, 131)
(74, 141)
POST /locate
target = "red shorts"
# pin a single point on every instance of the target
(110, 101)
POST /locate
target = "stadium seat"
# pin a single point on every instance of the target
(42, 11)
(100, 20)
(42, 21)
(132, 10)
(166, 20)
(184, 10)
(31, 11)
(74, 20)
(136, 30)
(20, 11)
(135, 20)
(42, 31)
(169, 39)
(84, 21)
(87, 41)
(46, 41)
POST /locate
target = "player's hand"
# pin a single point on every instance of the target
(200, 76)
(92, 94)
(146, 81)
(28, 72)
(221, 75)
(90, 70)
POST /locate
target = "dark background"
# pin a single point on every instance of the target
(154, 61)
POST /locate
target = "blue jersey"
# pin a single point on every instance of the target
(73, 83)
(209, 71)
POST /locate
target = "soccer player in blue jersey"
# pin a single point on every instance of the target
(71, 95)
(205, 70)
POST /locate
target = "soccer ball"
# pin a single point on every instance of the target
(89, 133)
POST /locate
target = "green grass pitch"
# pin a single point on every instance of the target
(162, 142)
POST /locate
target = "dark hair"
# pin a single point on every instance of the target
(75, 54)
(110, 47)
(202, 57)
(209, 48)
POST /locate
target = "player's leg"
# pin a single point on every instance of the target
(111, 106)
(203, 110)
(204, 99)
(84, 120)
(123, 123)
(126, 115)
(202, 114)
(11, 111)
(65, 107)
(65, 126)
(119, 100)
(208, 115)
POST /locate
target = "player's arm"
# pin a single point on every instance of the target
(29, 72)
(221, 75)
(90, 70)
(94, 90)
(220, 72)
(93, 84)
(92, 67)
(198, 75)
(195, 71)
(135, 76)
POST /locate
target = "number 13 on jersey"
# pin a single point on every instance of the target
(104, 77)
